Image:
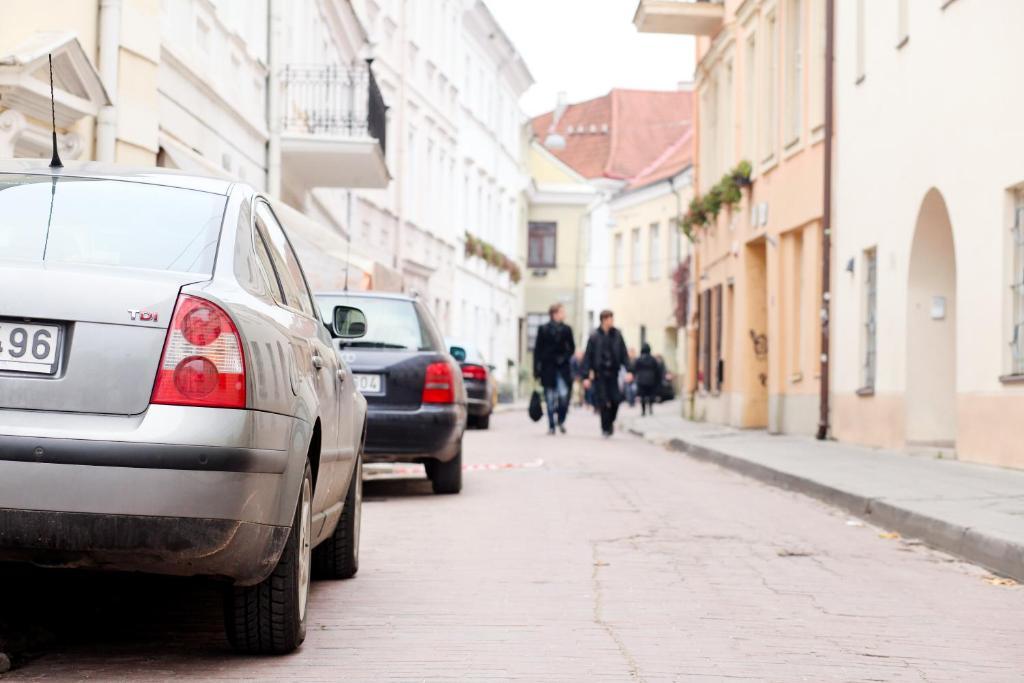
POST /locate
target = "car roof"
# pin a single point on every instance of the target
(397, 296)
(167, 177)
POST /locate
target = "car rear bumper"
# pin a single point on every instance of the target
(430, 432)
(110, 492)
(243, 552)
(478, 406)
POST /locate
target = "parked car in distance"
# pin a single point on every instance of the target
(413, 386)
(170, 400)
(481, 389)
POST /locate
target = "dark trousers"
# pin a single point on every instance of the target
(646, 400)
(606, 390)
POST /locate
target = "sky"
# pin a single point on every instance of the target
(588, 47)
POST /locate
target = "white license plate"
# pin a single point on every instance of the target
(368, 384)
(29, 348)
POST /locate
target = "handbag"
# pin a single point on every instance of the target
(536, 411)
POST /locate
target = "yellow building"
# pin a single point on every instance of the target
(559, 214)
(650, 273)
(760, 84)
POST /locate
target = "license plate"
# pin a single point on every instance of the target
(368, 384)
(27, 347)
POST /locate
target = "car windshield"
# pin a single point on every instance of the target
(109, 223)
(390, 323)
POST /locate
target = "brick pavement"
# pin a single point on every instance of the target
(616, 560)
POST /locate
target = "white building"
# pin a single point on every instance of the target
(928, 324)
(452, 80)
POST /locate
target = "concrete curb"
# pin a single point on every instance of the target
(1001, 555)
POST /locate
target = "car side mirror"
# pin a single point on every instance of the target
(349, 323)
(458, 353)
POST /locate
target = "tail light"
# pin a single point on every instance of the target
(202, 363)
(474, 372)
(438, 386)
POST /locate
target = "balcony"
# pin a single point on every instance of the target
(334, 127)
(681, 17)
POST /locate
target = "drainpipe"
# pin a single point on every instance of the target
(826, 220)
(274, 39)
(109, 48)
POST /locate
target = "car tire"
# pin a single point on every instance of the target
(446, 477)
(483, 421)
(338, 556)
(270, 617)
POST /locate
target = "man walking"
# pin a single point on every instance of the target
(605, 356)
(551, 365)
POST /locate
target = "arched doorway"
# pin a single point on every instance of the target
(931, 328)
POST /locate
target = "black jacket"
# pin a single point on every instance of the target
(648, 371)
(552, 353)
(606, 353)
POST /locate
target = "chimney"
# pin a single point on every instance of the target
(560, 106)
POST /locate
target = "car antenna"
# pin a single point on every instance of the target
(55, 159)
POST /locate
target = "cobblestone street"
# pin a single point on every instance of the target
(609, 560)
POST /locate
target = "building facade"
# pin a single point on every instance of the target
(581, 156)
(928, 342)
(760, 126)
(649, 290)
(450, 220)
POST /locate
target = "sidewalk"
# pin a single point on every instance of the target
(974, 511)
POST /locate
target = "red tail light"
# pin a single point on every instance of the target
(202, 363)
(438, 386)
(474, 372)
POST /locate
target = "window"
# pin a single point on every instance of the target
(654, 252)
(620, 268)
(719, 362)
(709, 132)
(726, 130)
(794, 70)
(1017, 340)
(97, 222)
(902, 23)
(861, 28)
(705, 340)
(636, 256)
(769, 88)
(750, 62)
(542, 244)
(870, 317)
(816, 80)
(263, 256)
(296, 294)
(534, 321)
(393, 323)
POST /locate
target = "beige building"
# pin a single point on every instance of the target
(760, 80)
(650, 275)
(928, 334)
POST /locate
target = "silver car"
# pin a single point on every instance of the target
(170, 400)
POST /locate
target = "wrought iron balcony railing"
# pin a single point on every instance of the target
(331, 99)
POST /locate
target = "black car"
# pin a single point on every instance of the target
(416, 399)
(478, 376)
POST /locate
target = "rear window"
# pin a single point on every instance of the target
(108, 222)
(390, 323)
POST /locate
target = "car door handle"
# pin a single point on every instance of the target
(318, 362)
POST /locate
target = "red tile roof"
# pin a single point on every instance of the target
(625, 134)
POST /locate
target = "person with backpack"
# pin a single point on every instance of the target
(604, 357)
(650, 374)
(552, 353)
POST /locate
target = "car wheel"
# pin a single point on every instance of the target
(338, 556)
(270, 617)
(446, 477)
(483, 421)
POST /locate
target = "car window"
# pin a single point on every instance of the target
(285, 262)
(263, 256)
(109, 223)
(390, 323)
